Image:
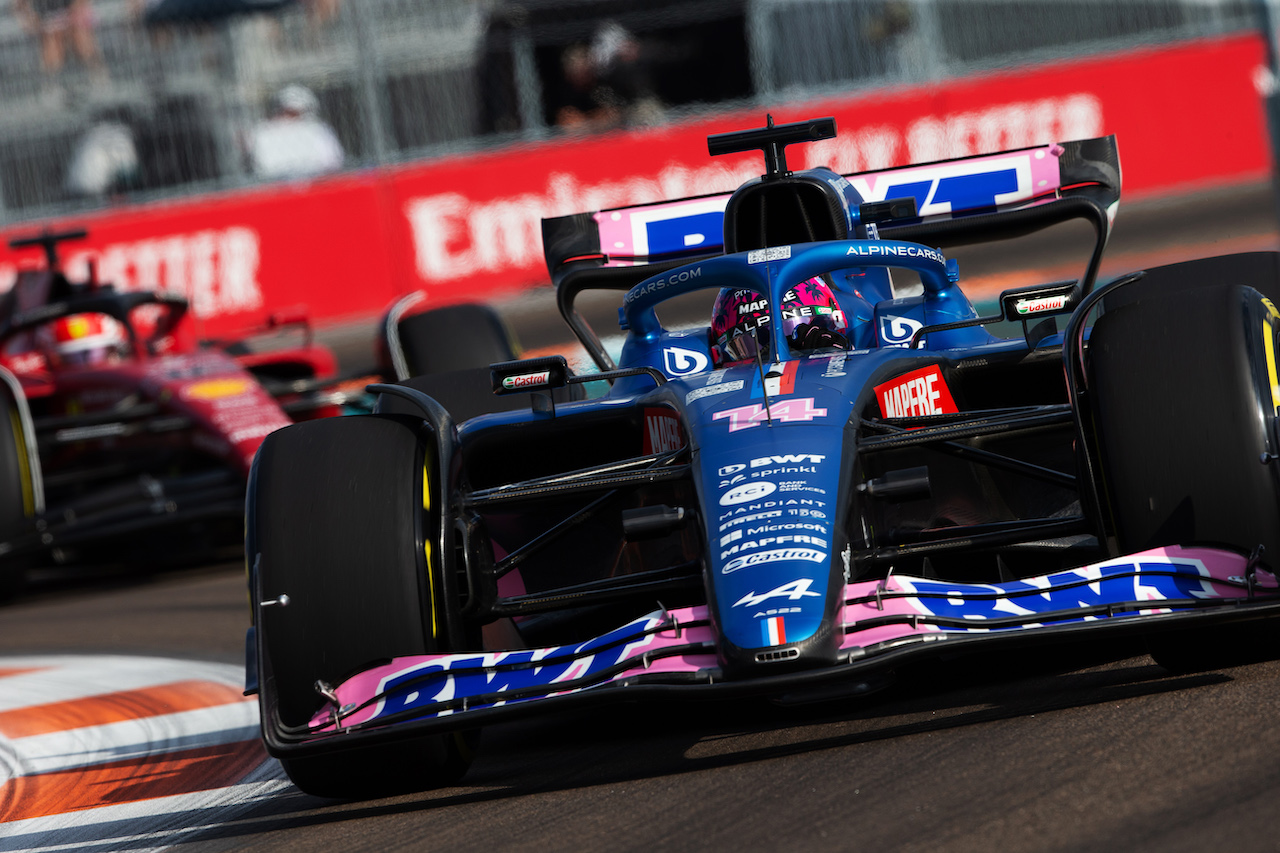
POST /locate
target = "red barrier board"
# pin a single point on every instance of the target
(1187, 117)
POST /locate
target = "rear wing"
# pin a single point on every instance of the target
(958, 201)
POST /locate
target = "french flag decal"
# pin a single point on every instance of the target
(774, 632)
(776, 382)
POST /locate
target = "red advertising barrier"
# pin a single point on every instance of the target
(1187, 117)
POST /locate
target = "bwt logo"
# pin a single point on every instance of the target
(678, 361)
(955, 192)
(898, 331)
(1090, 586)
(765, 461)
(501, 672)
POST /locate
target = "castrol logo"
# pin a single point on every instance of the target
(1036, 306)
(527, 380)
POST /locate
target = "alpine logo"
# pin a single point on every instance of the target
(792, 590)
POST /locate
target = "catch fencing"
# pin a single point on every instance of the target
(403, 81)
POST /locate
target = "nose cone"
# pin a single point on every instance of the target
(770, 480)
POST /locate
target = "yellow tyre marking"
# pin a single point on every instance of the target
(1268, 344)
(24, 467)
(426, 548)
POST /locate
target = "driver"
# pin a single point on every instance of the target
(83, 339)
(811, 320)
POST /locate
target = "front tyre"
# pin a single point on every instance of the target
(339, 523)
(1186, 423)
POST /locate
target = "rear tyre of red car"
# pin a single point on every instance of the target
(1180, 388)
(338, 524)
(16, 491)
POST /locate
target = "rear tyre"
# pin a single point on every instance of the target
(337, 523)
(17, 500)
(455, 337)
(1180, 389)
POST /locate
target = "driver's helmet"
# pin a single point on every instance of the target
(83, 339)
(811, 319)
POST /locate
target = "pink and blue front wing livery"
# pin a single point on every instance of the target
(677, 647)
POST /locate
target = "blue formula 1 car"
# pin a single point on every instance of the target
(842, 472)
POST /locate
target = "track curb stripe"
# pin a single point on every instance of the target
(151, 777)
(115, 707)
(100, 748)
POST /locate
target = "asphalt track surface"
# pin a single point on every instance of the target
(146, 744)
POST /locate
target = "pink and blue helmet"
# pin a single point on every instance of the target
(811, 319)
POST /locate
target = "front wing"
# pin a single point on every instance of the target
(673, 652)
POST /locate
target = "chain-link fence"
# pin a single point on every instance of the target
(110, 100)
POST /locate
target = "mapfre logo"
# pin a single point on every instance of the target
(916, 394)
(661, 431)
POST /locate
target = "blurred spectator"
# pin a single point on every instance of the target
(105, 159)
(56, 22)
(201, 11)
(179, 144)
(321, 12)
(583, 103)
(295, 141)
(606, 84)
(622, 67)
(499, 109)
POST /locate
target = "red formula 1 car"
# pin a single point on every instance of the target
(121, 434)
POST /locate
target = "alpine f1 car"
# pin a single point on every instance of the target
(845, 471)
(121, 434)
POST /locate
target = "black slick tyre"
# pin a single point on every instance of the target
(17, 491)
(1180, 394)
(455, 337)
(338, 524)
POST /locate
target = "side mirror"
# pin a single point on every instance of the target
(1027, 303)
(530, 374)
